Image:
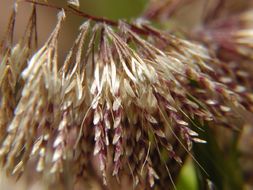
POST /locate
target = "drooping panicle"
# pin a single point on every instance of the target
(126, 101)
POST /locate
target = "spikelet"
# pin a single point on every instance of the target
(232, 34)
(74, 3)
(13, 61)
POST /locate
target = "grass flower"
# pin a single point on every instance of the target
(127, 95)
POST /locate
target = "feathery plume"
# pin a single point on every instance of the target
(126, 95)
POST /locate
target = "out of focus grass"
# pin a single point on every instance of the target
(187, 178)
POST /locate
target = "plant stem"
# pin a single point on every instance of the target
(141, 31)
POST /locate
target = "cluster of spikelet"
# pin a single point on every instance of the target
(127, 95)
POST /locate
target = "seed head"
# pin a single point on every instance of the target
(126, 95)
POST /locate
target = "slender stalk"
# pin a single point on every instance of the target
(74, 11)
(141, 31)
